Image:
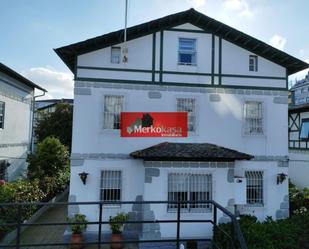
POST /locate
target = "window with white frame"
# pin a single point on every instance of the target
(188, 105)
(253, 115)
(254, 187)
(187, 51)
(115, 55)
(113, 106)
(304, 129)
(111, 185)
(253, 63)
(189, 187)
(2, 109)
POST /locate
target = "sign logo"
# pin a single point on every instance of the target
(154, 124)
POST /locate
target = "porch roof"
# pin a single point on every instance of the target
(189, 152)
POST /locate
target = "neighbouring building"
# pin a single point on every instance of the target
(299, 133)
(46, 106)
(16, 119)
(234, 89)
(43, 108)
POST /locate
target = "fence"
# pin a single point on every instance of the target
(235, 238)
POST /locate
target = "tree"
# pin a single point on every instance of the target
(50, 158)
(57, 124)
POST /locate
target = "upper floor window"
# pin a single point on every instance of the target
(188, 105)
(304, 129)
(111, 185)
(2, 109)
(253, 115)
(113, 106)
(254, 187)
(253, 63)
(187, 51)
(115, 55)
(189, 187)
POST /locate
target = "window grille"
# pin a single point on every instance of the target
(2, 108)
(188, 105)
(189, 187)
(115, 55)
(253, 118)
(111, 185)
(254, 187)
(113, 106)
(187, 51)
(253, 63)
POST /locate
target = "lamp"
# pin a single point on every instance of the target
(83, 177)
(281, 177)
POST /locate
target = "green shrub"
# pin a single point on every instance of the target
(51, 186)
(270, 234)
(299, 199)
(16, 192)
(50, 158)
(119, 218)
(77, 228)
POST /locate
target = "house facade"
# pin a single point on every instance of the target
(16, 115)
(233, 88)
(299, 133)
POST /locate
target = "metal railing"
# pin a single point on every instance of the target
(235, 238)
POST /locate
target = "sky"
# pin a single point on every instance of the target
(31, 29)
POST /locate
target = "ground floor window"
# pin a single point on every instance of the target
(189, 187)
(111, 185)
(254, 187)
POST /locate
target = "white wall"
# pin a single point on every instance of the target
(216, 121)
(140, 58)
(16, 135)
(132, 185)
(299, 168)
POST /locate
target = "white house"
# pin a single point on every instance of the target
(299, 133)
(16, 115)
(234, 89)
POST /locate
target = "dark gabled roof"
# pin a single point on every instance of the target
(292, 64)
(189, 152)
(10, 72)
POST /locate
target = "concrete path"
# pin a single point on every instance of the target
(51, 234)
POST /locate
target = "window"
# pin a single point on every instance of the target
(254, 187)
(304, 129)
(113, 106)
(253, 113)
(187, 51)
(115, 55)
(111, 185)
(189, 187)
(188, 105)
(2, 109)
(253, 63)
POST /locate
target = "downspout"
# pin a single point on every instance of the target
(32, 121)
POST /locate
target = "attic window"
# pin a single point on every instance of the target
(253, 63)
(115, 55)
(187, 51)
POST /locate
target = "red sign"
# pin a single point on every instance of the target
(154, 124)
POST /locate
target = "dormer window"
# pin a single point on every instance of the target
(115, 55)
(187, 51)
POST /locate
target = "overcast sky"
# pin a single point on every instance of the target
(31, 29)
